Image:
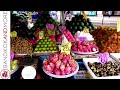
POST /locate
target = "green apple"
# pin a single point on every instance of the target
(47, 42)
(45, 46)
(44, 49)
(36, 49)
(43, 43)
(38, 46)
(51, 48)
(49, 45)
(48, 48)
(42, 46)
(39, 43)
(40, 49)
(55, 48)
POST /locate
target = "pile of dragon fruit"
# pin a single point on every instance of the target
(60, 64)
(84, 47)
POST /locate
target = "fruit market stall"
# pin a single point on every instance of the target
(60, 49)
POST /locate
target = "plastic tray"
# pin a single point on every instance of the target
(13, 71)
(92, 60)
(115, 56)
(85, 53)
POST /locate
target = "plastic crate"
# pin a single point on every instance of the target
(82, 73)
(44, 57)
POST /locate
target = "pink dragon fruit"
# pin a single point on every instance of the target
(57, 72)
(63, 73)
(62, 67)
(45, 62)
(73, 68)
(68, 69)
(61, 55)
(52, 65)
(49, 69)
(54, 60)
(64, 61)
(58, 63)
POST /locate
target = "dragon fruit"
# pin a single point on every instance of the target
(48, 68)
(45, 62)
(68, 69)
(52, 65)
(61, 55)
(57, 72)
(64, 60)
(58, 63)
(62, 67)
(63, 73)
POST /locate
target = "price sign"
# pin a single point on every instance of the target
(103, 57)
(82, 39)
(118, 25)
(66, 47)
(83, 13)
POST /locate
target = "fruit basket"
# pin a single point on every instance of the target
(60, 65)
(93, 60)
(62, 76)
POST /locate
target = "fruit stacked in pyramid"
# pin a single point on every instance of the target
(46, 45)
(78, 23)
(107, 39)
(42, 21)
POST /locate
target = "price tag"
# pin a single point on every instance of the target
(66, 47)
(82, 39)
(83, 13)
(118, 25)
(103, 57)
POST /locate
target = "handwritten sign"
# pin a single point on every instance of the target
(83, 13)
(103, 57)
(118, 25)
(66, 47)
(82, 39)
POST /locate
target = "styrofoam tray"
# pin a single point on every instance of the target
(92, 60)
(13, 71)
(115, 56)
(60, 76)
(85, 53)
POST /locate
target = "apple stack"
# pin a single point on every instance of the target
(107, 39)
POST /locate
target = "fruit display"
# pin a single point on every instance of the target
(67, 34)
(107, 39)
(104, 70)
(46, 45)
(60, 64)
(42, 21)
(78, 23)
(14, 65)
(84, 47)
(20, 45)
